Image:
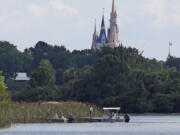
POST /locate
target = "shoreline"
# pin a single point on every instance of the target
(43, 112)
(155, 114)
(27, 113)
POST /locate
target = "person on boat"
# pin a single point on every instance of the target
(126, 118)
(64, 118)
(91, 111)
(113, 115)
(72, 118)
(56, 116)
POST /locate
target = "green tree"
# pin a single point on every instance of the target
(43, 75)
(103, 82)
(11, 59)
(163, 103)
(176, 99)
(70, 74)
(173, 63)
(141, 94)
(4, 95)
(47, 93)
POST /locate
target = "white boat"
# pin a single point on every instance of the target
(111, 114)
(62, 119)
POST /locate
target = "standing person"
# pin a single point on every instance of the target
(126, 118)
(91, 111)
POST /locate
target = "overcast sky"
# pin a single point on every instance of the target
(148, 25)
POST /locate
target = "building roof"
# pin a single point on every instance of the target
(21, 76)
(102, 33)
(111, 108)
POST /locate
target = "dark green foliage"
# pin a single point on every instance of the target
(173, 63)
(122, 77)
(43, 75)
(163, 103)
(108, 72)
(42, 85)
(84, 57)
(10, 59)
(48, 93)
(59, 76)
(16, 85)
(176, 100)
(110, 77)
(59, 56)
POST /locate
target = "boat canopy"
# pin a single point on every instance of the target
(111, 108)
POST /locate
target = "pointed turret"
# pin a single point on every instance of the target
(114, 13)
(95, 37)
(113, 31)
(103, 23)
(102, 37)
(101, 40)
(113, 7)
(95, 31)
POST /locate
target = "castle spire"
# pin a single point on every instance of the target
(102, 36)
(113, 7)
(95, 37)
(112, 40)
(113, 31)
(103, 24)
(95, 31)
(170, 44)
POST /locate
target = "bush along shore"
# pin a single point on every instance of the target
(43, 112)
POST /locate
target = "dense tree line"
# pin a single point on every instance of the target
(173, 63)
(110, 77)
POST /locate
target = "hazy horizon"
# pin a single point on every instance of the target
(143, 24)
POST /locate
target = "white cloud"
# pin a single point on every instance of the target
(81, 24)
(63, 9)
(175, 16)
(161, 21)
(3, 18)
(176, 8)
(163, 13)
(36, 10)
(176, 19)
(156, 9)
(123, 19)
(12, 21)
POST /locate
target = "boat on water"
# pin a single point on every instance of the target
(62, 119)
(110, 115)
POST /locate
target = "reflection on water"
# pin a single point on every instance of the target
(139, 125)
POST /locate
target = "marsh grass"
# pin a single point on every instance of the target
(42, 113)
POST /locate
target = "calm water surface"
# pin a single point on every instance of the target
(139, 125)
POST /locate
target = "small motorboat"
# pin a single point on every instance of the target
(63, 119)
(110, 115)
(56, 119)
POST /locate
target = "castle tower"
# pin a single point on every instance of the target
(95, 38)
(112, 39)
(102, 40)
(113, 31)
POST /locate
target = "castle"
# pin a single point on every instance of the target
(111, 39)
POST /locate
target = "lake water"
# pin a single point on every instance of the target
(139, 125)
